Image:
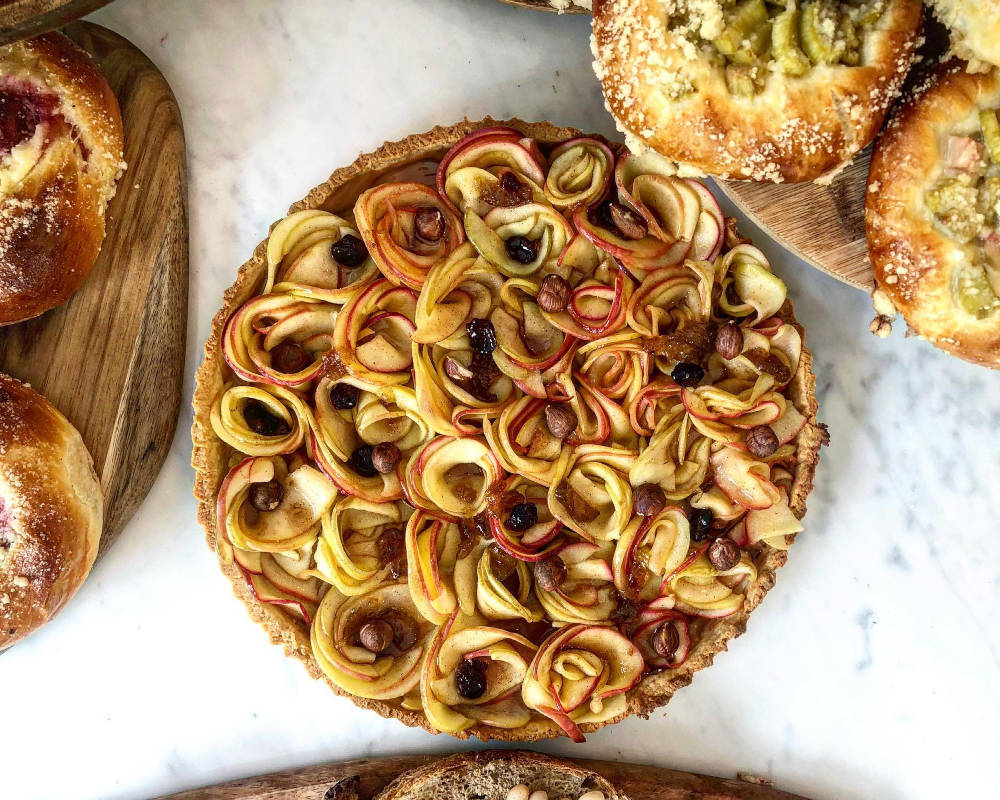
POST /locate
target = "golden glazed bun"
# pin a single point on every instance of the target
(51, 511)
(975, 28)
(60, 157)
(669, 87)
(944, 284)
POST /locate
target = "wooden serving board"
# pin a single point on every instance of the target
(637, 781)
(822, 225)
(112, 358)
(22, 18)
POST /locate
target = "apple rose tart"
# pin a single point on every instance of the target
(501, 435)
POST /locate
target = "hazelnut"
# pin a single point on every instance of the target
(405, 632)
(376, 636)
(550, 574)
(385, 457)
(553, 294)
(629, 224)
(665, 640)
(724, 554)
(729, 341)
(560, 420)
(266, 496)
(456, 370)
(429, 224)
(648, 500)
(260, 420)
(761, 441)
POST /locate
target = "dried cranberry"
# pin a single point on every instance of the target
(522, 516)
(266, 495)
(361, 462)
(521, 249)
(687, 374)
(344, 396)
(349, 251)
(260, 420)
(701, 523)
(290, 357)
(470, 680)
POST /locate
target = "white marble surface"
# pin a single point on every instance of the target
(871, 670)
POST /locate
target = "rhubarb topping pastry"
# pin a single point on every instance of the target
(504, 431)
(933, 214)
(754, 89)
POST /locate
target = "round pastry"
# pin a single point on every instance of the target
(504, 432)
(975, 29)
(60, 157)
(51, 511)
(749, 89)
(933, 214)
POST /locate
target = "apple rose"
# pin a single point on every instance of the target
(749, 286)
(362, 544)
(471, 174)
(649, 549)
(771, 349)
(503, 585)
(263, 506)
(260, 420)
(278, 339)
(600, 420)
(703, 590)
(670, 298)
(587, 593)
(590, 492)
(441, 567)
(473, 674)
(522, 441)
(519, 240)
(657, 627)
(343, 643)
(773, 526)
(676, 457)
(456, 388)
(408, 229)
(617, 366)
(301, 261)
(541, 536)
(451, 475)
(457, 290)
(654, 401)
(580, 675)
(283, 579)
(373, 332)
(743, 479)
(579, 173)
(347, 410)
(597, 291)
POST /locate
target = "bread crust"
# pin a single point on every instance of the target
(797, 129)
(51, 511)
(490, 774)
(54, 188)
(209, 455)
(911, 257)
(975, 28)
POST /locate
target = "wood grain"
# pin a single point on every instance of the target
(22, 18)
(639, 782)
(823, 225)
(112, 358)
(544, 5)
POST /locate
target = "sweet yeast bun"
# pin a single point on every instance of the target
(491, 774)
(800, 113)
(51, 511)
(975, 29)
(60, 157)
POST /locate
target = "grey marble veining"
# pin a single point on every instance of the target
(871, 671)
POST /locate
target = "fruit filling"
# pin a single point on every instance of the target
(507, 443)
(750, 39)
(965, 204)
(22, 110)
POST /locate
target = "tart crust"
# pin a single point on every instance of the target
(797, 129)
(912, 259)
(209, 457)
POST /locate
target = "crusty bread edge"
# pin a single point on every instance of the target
(209, 462)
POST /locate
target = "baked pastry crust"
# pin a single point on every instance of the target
(210, 456)
(51, 511)
(795, 129)
(56, 184)
(913, 258)
(975, 28)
